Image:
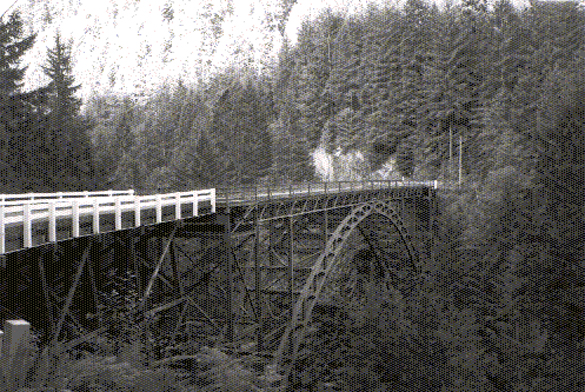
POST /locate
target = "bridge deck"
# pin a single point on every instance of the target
(34, 219)
(252, 194)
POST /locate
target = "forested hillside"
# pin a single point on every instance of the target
(499, 89)
(416, 85)
(419, 87)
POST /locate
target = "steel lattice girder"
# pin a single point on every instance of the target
(278, 208)
(287, 265)
(302, 310)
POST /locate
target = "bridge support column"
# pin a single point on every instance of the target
(225, 221)
(257, 284)
(325, 227)
(45, 287)
(138, 275)
(290, 266)
(180, 291)
(64, 312)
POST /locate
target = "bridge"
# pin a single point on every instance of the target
(246, 265)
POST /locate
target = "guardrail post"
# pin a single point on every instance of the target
(177, 206)
(52, 222)
(158, 208)
(137, 221)
(213, 200)
(118, 214)
(26, 226)
(96, 216)
(74, 218)
(2, 231)
(196, 204)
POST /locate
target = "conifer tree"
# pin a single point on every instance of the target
(560, 180)
(64, 104)
(67, 132)
(20, 113)
(384, 72)
(290, 142)
(239, 129)
(195, 164)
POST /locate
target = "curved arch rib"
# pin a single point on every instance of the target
(303, 308)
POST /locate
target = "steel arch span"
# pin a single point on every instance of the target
(321, 270)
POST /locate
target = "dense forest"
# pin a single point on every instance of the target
(414, 86)
(498, 88)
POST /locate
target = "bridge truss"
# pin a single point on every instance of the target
(249, 274)
(288, 253)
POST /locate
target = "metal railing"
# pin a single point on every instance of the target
(26, 211)
(278, 191)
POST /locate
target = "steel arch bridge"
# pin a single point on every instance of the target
(246, 266)
(326, 263)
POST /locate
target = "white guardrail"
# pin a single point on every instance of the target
(22, 197)
(27, 208)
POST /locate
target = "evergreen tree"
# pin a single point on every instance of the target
(313, 66)
(239, 129)
(114, 143)
(414, 50)
(345, 85)
(13, 47)
(71, 167)
(384, 73)
(290, 142)
(560, 179)
(195, 164)
(64, 104)
(124, 148)
(457, 84)
(21, 114)
(437, 116)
